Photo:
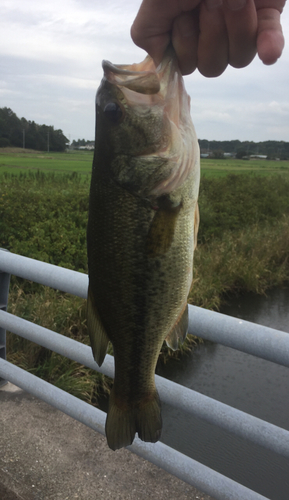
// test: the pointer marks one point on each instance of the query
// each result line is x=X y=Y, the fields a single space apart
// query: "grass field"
x=219 y=168
x=16 y=160
x=243 y=246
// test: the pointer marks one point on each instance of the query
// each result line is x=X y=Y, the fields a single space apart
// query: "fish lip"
x=121 y=69
x=144 y=82
x=148 y=64
x=145 y=78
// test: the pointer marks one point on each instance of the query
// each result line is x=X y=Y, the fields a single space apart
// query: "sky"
x=50 y=68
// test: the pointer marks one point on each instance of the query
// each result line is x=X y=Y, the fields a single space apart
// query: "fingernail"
x=213 y=4
x=236 y=4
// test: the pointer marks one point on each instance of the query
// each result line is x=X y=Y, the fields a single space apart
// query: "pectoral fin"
x=162 y=230
x=97 y=334
x=179 y=330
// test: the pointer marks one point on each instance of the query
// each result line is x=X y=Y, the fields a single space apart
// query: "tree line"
x=19 y=132
x=272 y=149
x=81 y=143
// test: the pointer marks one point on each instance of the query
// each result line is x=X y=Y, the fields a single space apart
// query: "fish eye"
x=113 y=112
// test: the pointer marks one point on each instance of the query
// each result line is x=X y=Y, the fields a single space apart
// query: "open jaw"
x=144 y=84
x=138 y=81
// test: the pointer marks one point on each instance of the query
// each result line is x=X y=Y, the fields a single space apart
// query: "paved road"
x=46 y=455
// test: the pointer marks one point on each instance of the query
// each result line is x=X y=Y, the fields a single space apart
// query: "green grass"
x=243 y=245
x=16 y=160
x=66 y=315
x=221 y=168
x=252 y=259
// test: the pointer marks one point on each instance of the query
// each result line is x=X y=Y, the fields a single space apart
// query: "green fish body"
x=143 y=221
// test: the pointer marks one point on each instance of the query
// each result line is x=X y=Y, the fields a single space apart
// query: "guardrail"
x=4 y=292
x=270 y=344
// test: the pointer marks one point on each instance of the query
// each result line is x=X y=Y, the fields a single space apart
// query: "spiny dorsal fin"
x=97 y=334
x=179 y=330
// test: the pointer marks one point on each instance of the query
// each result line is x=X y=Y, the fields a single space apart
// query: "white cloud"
x=51 y=52
x=258 y=121
x=68 y=82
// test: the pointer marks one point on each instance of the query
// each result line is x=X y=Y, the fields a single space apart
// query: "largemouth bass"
x=142 y=230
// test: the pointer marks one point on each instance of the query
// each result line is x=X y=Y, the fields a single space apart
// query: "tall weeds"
x=66 y=315
x=243 y=246
x=250 y=260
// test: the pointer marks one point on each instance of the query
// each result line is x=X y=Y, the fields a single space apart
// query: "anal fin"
x=97 y=334
x=179 y=330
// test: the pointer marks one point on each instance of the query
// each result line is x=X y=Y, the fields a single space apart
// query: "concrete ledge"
x=46 y=455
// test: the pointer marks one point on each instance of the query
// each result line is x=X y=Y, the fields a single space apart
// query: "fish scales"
x=141 y=240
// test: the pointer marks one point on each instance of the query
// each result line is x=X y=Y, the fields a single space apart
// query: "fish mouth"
x=140 y=78
x=146 y=84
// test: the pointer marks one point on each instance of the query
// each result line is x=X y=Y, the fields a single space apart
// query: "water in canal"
x=246 y=382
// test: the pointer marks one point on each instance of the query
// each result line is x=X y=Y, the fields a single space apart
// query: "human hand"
x=210 y=34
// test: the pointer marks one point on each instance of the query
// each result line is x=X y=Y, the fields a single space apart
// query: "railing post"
x=4 y=292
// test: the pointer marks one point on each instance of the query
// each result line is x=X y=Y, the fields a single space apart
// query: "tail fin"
x=124 y=421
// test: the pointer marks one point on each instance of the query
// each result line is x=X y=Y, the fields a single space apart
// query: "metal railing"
x=254 y=339
x=4 y=292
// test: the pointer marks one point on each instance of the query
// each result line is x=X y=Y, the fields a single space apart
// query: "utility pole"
x=48 y=141
x=24 y=138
